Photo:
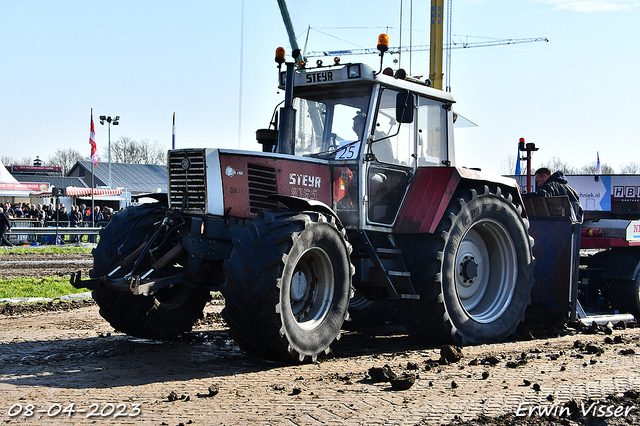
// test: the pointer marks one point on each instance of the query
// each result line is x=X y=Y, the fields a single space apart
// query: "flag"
x=598 y=168
x=173 y=132
x=92 y=142
x=518 y=172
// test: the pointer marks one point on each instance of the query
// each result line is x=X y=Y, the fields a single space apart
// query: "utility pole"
x=115 y=122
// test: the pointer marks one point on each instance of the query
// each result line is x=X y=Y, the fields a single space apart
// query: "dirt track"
x=54 y=359
x=41 y=265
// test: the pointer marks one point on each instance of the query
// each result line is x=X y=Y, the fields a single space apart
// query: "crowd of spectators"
x=80 y=215
x=38 y=215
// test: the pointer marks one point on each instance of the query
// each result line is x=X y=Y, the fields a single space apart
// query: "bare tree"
x=590 y=169
x=127 y=150
x=10 y=161
x=631 y=168
x=7 y=161
x=121 y=150
x=65 y=159
x=154 y=152
x=556 y=164
x=508 y=166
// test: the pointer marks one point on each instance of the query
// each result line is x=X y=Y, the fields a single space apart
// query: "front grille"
x=262 y=183
x=188 y=180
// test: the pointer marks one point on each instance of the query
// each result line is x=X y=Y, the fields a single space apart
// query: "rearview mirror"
x=404 y=107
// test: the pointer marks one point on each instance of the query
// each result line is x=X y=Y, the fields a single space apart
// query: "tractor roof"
x=359 y=72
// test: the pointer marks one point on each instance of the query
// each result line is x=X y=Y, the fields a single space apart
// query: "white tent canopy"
x=9 y=186
x=5 y=176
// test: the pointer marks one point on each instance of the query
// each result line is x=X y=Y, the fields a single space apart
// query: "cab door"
x=391 y=156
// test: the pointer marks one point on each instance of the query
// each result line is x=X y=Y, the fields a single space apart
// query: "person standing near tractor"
x=4 y=225
x=550 y=184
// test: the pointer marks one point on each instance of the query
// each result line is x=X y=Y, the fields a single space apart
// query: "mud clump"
x=451 y=353
x=404 y=382
x=381 y=374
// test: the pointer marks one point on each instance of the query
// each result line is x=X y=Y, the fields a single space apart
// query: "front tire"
x=288 y=285
x=474 y=274
x=162 y=316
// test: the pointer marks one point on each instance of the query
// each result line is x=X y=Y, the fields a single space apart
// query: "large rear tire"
x=164 y=315
x=288 y=285
x=624 y=296
x=474 y=274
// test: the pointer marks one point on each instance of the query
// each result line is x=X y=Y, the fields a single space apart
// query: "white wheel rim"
x=312 y=288
x=486 y=270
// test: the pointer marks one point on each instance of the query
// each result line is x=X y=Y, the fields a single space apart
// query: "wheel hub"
x=468 y=268
x=299 y=286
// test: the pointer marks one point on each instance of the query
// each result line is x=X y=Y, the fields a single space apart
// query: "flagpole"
x=93 y=185
x=94 y=157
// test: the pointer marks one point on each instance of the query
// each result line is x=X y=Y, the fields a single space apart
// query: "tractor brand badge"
x=302 y=185
x=185 y=163
x=230 y=171
x=304 y=180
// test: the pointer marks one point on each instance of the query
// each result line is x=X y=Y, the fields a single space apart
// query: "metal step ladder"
x=397 y=280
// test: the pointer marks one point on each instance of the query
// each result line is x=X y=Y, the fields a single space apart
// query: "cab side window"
x=432 y=133
x=392 y=141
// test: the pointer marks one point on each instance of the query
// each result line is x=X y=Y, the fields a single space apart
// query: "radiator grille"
x=187 y=180
x=262 y=183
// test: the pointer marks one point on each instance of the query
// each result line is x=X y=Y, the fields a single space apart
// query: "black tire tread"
x=140 y=316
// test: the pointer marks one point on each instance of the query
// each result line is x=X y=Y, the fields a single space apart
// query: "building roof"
x=57 y=181
x=135 y=178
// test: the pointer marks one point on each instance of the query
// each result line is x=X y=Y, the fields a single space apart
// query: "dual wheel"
x=288 y=285
x=165 y=315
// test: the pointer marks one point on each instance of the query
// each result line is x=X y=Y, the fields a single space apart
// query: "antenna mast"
x=447 y=74
x=400 y=52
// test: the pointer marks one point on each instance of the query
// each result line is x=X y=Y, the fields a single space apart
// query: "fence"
x=31 y=231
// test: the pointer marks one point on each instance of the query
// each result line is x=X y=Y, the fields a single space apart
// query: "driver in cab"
x=382 y=149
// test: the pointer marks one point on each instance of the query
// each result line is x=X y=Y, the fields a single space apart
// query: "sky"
x=212 y=64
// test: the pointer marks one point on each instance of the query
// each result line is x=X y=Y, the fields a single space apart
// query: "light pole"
x=109 y=120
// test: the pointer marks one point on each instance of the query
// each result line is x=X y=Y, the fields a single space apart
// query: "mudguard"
x=432 y=190
x=300 y=204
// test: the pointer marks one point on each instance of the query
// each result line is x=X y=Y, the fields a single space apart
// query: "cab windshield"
x=327 y=115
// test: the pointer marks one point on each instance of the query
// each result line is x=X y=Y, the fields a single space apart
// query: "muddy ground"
x=63 y=364
x=41 y=265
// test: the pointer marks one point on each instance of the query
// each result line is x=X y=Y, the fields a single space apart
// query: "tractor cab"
x=375 y=129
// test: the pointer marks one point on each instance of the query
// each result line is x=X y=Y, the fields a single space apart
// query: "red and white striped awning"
x=73 y=191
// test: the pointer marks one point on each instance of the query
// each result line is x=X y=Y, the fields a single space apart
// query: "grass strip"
x=37 y=287
x=46 y=249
